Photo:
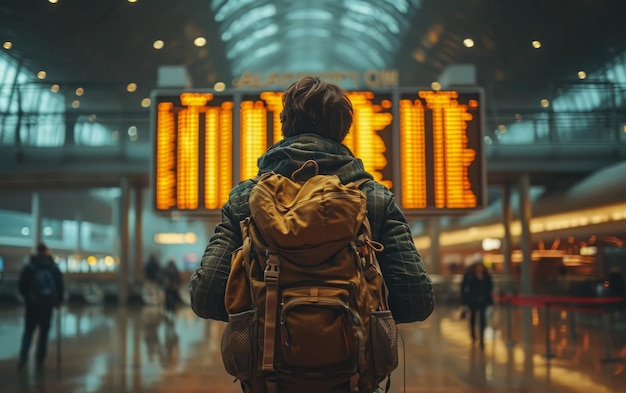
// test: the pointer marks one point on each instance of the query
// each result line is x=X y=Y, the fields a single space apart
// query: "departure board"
x=424 y=145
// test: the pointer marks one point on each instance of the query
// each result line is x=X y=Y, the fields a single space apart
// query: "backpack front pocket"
x=237 y=344
x=318 y=328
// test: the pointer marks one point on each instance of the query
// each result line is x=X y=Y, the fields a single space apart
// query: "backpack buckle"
x=272 y=269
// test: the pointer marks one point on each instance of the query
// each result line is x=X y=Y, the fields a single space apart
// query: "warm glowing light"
x=582 y=74
x=80 y=91
x=145 y=103
x=42 y=74
x=53 y=1
x=439 y=139
x=442 y=175
x=55 y=88
x=468 y=42
x=536 y=44
x=7 y=45
x=175 y=238
x=158 y=44
x=364 y=137
x=219 y=86
x=435 y=86
x=200 y=41
x=548 y=223
x=545 y=103
x=75 y=104
x=253 y=136
x=131 y=87
x=412 y=139
x=91 y=260
x=179 y=139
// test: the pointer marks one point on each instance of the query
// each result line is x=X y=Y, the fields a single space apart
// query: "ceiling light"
x=145 y=102
x=132 y=1
x=158 y=44
x=219 y=86
x=92 y=118
x=468 y=42
x=80 y=91
x=7 y=45
x=582 y=74
x=435 y=86
x=42 y=74
x=55 y=88
x=75 y=104
x=536 y=44
x=53 y=1
x=419 y=55
x=200 y=41
x=545 y=103
x=131 y=87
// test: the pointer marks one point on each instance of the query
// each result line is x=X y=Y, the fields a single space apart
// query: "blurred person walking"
x=171 y=286
x=41 y=285
x=476 y=294
x=152 y=272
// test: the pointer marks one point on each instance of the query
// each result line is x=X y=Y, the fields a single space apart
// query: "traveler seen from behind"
x=315 y=119
x=41 y=285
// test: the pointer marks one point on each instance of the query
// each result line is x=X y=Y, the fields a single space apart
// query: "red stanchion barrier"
x=595 y=305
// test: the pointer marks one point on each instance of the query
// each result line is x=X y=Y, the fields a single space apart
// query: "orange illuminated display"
x=412 y=142
x=193 y=152
x=364 y=138
x=441 y=143
x=433 y=139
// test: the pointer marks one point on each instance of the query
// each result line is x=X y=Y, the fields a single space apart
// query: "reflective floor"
x=139 y=349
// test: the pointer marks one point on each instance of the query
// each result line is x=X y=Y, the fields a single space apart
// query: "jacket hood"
x=289 y=154
x=42 y=261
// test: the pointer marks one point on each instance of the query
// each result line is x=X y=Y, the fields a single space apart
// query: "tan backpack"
x=306 y=300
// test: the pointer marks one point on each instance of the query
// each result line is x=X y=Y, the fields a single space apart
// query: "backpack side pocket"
x=237 y=344
x=384 y=341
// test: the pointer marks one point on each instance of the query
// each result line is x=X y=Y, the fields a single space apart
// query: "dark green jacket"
x=410 y=289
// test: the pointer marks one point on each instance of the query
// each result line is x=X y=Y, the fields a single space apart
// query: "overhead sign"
x=424 y=145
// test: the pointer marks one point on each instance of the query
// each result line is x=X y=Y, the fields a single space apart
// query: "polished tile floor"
x=139 y=349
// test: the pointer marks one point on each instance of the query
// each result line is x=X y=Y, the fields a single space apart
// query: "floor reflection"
x=141 y=349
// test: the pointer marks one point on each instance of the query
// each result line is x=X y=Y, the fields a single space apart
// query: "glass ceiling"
x=586 y=111
x=342 y=35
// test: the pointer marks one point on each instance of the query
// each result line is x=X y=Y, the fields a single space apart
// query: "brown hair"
x=312 y=106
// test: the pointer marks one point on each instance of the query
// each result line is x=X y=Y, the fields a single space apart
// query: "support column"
x=435 y=256
x=139 y=233
x=123 y=233
x=526 y=285
x=507 y=241
x=525 y=214
x=35 y=213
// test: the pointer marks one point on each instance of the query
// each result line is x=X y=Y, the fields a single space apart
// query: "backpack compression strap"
x=270 y=276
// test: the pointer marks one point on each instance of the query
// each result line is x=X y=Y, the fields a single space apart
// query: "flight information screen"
x=424 y=145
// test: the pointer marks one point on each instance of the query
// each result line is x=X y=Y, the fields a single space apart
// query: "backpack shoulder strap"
x=358 y=183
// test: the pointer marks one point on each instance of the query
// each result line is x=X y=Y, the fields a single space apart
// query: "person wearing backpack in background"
x=41 y=285
x=315 y=119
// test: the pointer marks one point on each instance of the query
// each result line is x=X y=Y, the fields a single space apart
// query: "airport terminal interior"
x=500 y=126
